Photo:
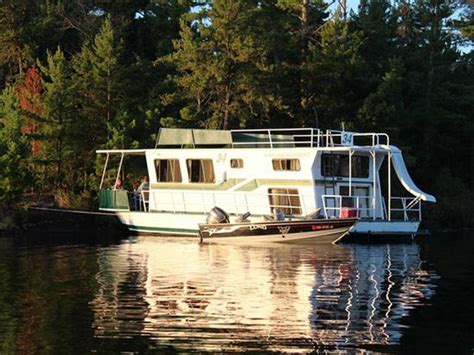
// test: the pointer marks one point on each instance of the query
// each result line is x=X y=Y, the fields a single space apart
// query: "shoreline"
x=35 y=219
x=38 y=220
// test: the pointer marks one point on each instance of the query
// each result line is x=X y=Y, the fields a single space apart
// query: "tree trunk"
x=225 y=124
x=304 y=57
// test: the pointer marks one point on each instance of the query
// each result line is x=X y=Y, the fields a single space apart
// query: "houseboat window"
x=167 y=170
x=286 y=164
x=200 y=170
x=236 y=163
x=286 y=200
x=338 y=165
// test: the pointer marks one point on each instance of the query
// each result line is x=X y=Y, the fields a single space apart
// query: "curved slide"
x=402 y=173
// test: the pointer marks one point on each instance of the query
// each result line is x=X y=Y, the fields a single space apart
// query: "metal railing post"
x=389 y=186
x=236 y=208
x=404 y=204
x=374 y=198
x=350 y=171
x=120 y=167
x=323 y=197
x=203 y=202
x=104 y=171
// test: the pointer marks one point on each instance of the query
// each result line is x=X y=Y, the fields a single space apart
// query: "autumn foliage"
x=29 y=96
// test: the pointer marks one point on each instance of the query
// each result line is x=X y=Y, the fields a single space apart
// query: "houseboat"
x=259 y=172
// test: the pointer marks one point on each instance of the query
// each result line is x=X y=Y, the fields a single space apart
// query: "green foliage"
x=98 y=92
x=333 y=63
x=114 y=72
x=455 y=201
x=59 y=147
x=13 y=149
x=222 y=68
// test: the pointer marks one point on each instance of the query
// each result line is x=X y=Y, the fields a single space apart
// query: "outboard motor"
x=217 y=215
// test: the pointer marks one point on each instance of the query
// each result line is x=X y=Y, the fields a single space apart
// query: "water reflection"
x=184 y=295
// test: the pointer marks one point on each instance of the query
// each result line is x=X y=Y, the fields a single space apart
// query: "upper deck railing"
x=305 y=137
x=268 y=138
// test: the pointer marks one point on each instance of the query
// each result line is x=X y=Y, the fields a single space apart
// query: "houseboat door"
x=359 y=199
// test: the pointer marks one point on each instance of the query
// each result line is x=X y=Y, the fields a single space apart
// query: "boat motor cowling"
x=217 y=215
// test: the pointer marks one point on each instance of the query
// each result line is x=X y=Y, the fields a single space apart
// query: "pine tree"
x=302 y=24
x=333 y=63
x=99 y=93
x=222 y=68
x=60 y=143
x=14 y=147
x=383 y=109
x=16 y=17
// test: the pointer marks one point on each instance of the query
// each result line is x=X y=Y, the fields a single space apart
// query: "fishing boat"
x=218 y=229
x=297 y=171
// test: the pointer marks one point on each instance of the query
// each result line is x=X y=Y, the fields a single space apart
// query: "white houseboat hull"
x=162 y=223
x=183 y=224
x=386 y=227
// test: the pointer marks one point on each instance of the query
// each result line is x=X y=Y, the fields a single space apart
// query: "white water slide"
x=404 y=177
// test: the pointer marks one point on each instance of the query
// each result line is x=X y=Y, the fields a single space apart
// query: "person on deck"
x=141 y=193
x=118 y=184
x=145 y=185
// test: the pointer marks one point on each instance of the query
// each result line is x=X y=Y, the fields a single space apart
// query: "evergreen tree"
x=98 y=81
x=379 y=65
x=60 y=146
x=222 y=69
x=402 y=67
x=16 y=18
x=383 y=109
x=333 y=65
x=13 y=148
x=298 y=32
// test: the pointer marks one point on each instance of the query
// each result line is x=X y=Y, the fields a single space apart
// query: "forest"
x=82 y=75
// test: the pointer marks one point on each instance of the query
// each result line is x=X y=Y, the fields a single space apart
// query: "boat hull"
x=381 y=227
x=320 y=231
x=186 y=224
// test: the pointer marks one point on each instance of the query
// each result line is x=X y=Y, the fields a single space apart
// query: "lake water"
x=77 y=294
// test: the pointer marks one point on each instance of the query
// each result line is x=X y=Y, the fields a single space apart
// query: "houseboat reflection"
x=275 y=297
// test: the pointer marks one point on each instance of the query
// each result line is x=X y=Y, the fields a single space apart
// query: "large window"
x=286 y=164
x=167 y=170
x=338 y=165
x=200 y=170
x=286 y=200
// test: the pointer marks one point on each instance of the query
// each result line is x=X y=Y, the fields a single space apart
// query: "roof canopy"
x=177 y=136
x=122 y=151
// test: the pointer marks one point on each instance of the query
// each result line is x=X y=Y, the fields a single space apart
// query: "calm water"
x=80 y=294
